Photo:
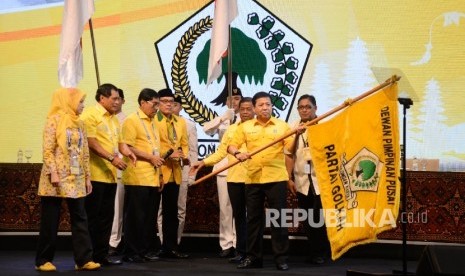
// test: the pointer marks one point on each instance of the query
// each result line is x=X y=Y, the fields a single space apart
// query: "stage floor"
x=22 y=263
x=17 y=258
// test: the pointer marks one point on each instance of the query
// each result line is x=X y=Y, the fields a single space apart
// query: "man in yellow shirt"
x=173 y=136
x=142 y=180
x=235 y=178
x=266 y=178
x=103 y=136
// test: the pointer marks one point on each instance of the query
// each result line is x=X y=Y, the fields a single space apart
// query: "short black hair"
x=147 y=94
x=121 y=93
x=245 y=100
x=311 y=98
x=104 y=90
x=259 y=95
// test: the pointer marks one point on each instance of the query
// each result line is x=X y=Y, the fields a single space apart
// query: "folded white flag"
x=76 y=14
x=225 y=12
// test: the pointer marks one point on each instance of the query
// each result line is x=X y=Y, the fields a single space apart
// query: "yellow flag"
x=356 y=156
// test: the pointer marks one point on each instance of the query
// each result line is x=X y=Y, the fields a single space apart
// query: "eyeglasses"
x=305 y=107
x=167 y=101
x=154 y=104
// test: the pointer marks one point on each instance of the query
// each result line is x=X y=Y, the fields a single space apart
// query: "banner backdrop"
x=332 y=49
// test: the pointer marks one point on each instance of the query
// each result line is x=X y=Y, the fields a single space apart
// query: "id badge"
x=74 y=166
x=306 y=154
x=307 y=169
x=75 y=170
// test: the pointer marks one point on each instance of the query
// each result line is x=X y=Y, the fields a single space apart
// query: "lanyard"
x=309 y=164
x=172 y=135
x=147 y=132
x=68 y=139
x=304 y=141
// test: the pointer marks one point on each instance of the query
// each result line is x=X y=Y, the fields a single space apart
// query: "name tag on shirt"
x=74 y=164
x=75 y=170
x=307 y=169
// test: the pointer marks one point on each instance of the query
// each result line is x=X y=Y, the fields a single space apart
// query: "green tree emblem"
x=366 y=170
x=248 y=63
x=366 y=176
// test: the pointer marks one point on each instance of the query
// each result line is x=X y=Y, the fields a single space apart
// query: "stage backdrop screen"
x=332 y=49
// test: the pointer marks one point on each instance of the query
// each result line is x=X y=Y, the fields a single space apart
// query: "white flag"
x=224 y=14
x=76 y=14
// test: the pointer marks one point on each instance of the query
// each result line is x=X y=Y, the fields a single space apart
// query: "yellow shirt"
x=237 y=173
x=171 y=169
x=134 y=132
x=55 y=160
x=103 y=126
x=268 y=165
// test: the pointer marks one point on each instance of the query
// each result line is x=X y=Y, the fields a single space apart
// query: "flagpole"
x=229 y=67
x=94 y=51
x=346 y=103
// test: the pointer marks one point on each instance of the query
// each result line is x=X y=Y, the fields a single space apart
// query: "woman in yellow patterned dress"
x=65 y=175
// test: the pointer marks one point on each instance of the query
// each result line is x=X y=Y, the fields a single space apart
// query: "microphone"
x=167 y=154
x=180 y=159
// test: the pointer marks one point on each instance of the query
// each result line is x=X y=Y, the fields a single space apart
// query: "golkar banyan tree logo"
x=267 y=55
x=361 y=173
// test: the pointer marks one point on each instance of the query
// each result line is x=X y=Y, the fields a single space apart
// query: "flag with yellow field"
x=357 y=157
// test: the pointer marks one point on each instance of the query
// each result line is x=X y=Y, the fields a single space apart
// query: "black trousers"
x=100 y=207
x=140 y=220
x=170 y=223
x=317 y=236
x=236 y=193
x=275 y=194
x=49 y=220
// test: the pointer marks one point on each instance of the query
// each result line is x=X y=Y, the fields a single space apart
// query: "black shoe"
x=237 y=259
x=317 y=260
x=227 y=253
x=113 y=251
x=173 y=254
x=249 y=263
x=109 y=261
x=151 y=256
x=134 y=259
x=282 y=266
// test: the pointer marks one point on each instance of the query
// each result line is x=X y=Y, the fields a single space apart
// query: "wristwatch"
x=110 y=157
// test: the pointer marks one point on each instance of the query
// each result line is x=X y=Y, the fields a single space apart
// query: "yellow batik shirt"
x=55 y=160
x=171 y=169
x=103 y=126
x=139 y=131
x=268 y=165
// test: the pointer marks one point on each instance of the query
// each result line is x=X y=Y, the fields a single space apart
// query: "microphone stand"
x=406 y=103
